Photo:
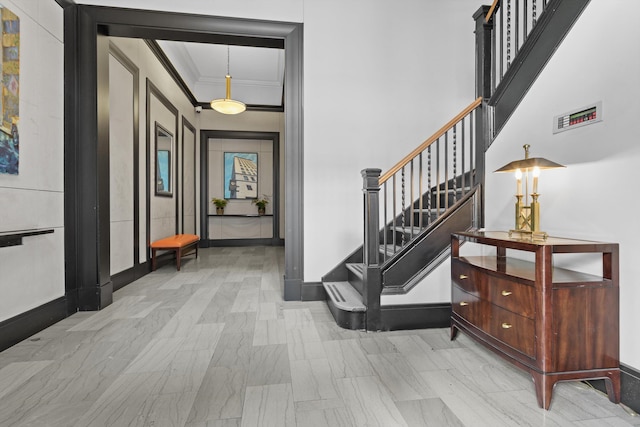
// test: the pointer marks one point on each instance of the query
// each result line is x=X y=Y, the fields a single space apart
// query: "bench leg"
x=153 y=260
x=178 y=257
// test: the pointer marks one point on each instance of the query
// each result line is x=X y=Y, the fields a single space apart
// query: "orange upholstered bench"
x=181 y=244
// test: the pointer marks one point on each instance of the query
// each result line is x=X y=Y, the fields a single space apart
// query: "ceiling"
x=257 y=73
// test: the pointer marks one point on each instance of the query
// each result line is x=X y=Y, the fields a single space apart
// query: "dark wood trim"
x=186 y=124
x=220 y=243
x=168 y=66
x=123 y=278
x=130 y=66
x=26 y=324
x=86 y=162
x=205 y=135
x=313 y=291
x=420 y=316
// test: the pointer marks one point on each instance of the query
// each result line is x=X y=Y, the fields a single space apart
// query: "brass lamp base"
x=528 y=219
x=531 y=235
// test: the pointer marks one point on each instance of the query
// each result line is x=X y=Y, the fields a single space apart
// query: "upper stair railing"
x=513 y=21
x=428 y=181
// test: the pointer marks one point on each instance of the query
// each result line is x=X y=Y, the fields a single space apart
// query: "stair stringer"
x=427 y=252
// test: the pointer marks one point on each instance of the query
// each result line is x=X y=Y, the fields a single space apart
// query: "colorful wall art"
x=240 y=175
x=10 y=97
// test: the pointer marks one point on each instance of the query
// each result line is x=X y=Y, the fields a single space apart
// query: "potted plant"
x=261 y=203
x=220 y=204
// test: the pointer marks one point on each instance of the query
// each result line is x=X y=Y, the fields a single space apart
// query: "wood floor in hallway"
x=216 y=345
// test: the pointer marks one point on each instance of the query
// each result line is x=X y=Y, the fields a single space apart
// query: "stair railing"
x=420 y=187
x=512 y=22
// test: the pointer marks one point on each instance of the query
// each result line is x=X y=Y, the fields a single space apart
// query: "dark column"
x=371 y=252
x=87 y=172
x=484 y=87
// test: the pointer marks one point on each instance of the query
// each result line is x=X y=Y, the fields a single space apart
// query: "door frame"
x=87 y=276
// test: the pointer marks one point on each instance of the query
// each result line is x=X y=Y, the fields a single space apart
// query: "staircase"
x=415 y=237
x=437 y=188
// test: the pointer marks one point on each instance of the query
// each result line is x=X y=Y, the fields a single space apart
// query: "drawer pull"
x=506 y=325
x=463 y=276
x=464 y=304
x=506 y=293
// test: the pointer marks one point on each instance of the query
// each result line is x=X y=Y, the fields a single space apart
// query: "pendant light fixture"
x=228 y=105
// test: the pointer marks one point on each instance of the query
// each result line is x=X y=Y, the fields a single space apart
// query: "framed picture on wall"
x=164 y=148
x=240 y=175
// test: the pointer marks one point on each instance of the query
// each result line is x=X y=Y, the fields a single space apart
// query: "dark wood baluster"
x=429 y=185
x=402 y=213
x=455 y=158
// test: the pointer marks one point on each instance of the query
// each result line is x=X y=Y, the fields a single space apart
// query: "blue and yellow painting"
x=10 y=97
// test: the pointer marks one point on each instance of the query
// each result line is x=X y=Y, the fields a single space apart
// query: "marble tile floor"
x=216 y=345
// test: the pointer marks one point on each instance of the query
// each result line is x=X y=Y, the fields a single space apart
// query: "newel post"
x=484 y=88
x=371 y=252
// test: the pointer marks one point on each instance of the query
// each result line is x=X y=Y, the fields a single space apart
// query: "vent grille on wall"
x=578 y=118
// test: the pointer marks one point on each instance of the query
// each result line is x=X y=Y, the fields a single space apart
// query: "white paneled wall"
x=162 y=212
x=189 y=184
x=33 y=274
x=121 y=166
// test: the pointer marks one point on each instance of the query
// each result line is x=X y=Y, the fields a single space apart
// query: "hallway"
x=215 y=345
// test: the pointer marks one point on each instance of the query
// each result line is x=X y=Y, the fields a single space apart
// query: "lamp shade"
x=529 y=163
x=228 y=105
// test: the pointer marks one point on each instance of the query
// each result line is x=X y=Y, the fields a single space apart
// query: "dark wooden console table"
x=555 y=323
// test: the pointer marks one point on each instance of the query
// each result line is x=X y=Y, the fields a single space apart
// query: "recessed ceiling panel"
x=257 y=73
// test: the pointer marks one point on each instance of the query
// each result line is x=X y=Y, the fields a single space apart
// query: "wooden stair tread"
x=344 y=296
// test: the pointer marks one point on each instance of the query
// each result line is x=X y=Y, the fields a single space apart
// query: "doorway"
x=88 y=279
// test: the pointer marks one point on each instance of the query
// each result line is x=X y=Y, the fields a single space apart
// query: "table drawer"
x=513 y=330
x=467 y=277
x=468 y=306
x=513 y=296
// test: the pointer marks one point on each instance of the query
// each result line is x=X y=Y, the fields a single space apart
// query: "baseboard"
x=123 y=278
x=292 y=289
x=313 y=291
x=424 y=316
x=629 y=387
x=29 y=323
x=211 y=243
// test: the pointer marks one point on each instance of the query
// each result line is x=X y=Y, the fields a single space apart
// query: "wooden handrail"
x=492 y=9
x=429 y=141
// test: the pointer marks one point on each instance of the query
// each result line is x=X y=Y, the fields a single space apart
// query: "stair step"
x=356 y=268
x=344 y=296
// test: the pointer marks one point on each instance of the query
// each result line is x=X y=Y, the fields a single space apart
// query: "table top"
x=519 y=241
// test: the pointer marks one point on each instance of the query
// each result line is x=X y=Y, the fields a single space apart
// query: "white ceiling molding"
x=257 y=73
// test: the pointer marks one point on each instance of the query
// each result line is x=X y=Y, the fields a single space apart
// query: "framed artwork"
x=9 y=98
x=240 y=175
x=164 y=176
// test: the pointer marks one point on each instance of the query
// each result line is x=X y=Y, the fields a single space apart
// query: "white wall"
x=418 y=54
x=594 y=197
x=378 y=80
x=33 y=274
x=121 y=167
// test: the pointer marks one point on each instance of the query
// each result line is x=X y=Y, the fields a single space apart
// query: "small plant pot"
x=261 y=211
x=219 y=211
